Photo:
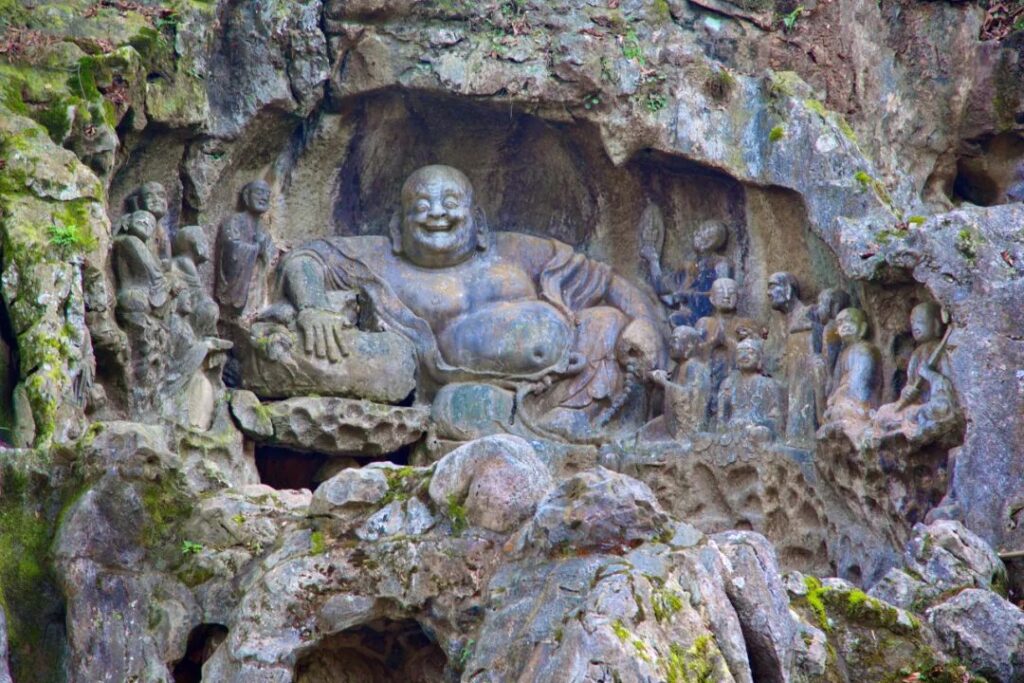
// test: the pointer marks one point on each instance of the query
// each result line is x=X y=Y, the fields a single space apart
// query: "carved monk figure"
x=796 y=346
x=142 y=295
x=718 y=332
x=244 y=249
x=826 y=342
x=190 y=252
x=141 y=286
x=688 y=393
x=750 y=400
x=152 y=197
x=927 y=403
x=689 y=289
x=858 y=375
x=506 y=310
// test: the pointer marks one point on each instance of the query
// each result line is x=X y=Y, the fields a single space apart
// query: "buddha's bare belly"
x=518 y=338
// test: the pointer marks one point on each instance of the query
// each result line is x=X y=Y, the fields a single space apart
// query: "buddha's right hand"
x=322 y=333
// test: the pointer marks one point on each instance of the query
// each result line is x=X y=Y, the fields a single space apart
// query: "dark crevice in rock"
x=991 y=171
x=283 y=468
x=383 y=651
x=9 y=374
x=202 y=641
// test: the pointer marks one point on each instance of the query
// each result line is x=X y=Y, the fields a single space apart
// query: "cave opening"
x=286 y=468
x=202 y=641
x=991 y=171
x=383 y=651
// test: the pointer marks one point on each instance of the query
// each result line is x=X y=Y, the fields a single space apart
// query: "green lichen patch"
x=967 y=242
x=702 y=662
x=665 y=603
x=868 y=182
x=776 y=133
x=167 y=504
x=867 y=635
x=457 y=514
x=403 y=483
x=33 y=496
x=317 y=543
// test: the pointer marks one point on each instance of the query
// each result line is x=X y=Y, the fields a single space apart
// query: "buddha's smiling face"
x=437 y=217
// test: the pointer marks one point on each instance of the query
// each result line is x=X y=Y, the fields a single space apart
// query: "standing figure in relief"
x=688 y=393
x=191 y=250
x=797 y=356
x=244 y=249
x=858 y=375
x=688 y=290
x=750 y=400
x=152 y=197
x=718 y=347
x=927 y=404
x=142 y=296
x=826 y=342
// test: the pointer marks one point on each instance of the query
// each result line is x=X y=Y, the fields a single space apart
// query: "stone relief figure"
x=152 y=197
x=508 y=318
x=688 y=290
x=750 y=400
x=797 y=355
x=244 y=249
x=190 y=251
x=927 y=406
x=718 y=333
x=826 y=342
x=688 y=393
x=857 y=381
x=142 y=297
x=141 y=285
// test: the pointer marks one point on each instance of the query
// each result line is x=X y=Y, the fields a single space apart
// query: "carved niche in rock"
x=687 y=291
x=927 y=408
x=558 y=339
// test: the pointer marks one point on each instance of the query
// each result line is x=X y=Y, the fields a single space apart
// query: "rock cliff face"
x=193 y=488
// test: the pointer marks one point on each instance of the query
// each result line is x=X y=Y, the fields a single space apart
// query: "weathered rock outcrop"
x=861 y=145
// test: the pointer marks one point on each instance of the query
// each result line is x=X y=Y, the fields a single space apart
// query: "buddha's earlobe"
x=483 y=231
x=395 y=232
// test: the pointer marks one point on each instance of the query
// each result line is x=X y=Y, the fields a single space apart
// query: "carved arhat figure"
x=749 y=399
x=927 y=406
x=688 y=393
x=152 y=197
x=797 y=354
x=244 y=248
x=858 y=374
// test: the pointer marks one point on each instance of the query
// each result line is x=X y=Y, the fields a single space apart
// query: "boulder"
x=984 y=631
x=596 y=510
x=498 y=481
x=941 y=557
x=756 y=591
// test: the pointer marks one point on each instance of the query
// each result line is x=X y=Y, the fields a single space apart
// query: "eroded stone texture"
x=666 y=105
x=940 y=558
x=984 y=630
x=336 y=426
